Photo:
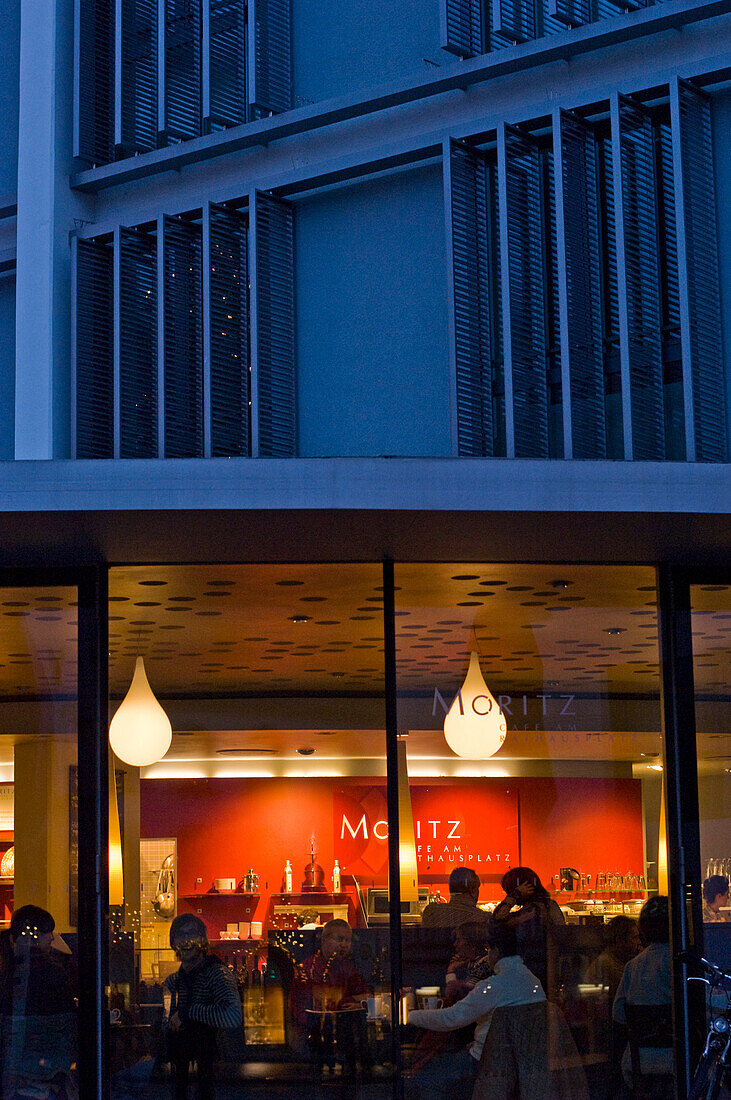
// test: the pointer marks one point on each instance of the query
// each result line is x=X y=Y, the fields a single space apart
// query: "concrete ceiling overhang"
x=362 y=509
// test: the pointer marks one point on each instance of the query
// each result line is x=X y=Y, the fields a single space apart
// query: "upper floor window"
x=151 y=73
x=471 y=27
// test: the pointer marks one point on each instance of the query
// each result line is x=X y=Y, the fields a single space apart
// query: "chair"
x=650 y=1040
x=529 y=1053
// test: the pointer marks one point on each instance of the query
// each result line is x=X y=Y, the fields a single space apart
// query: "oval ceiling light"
x=140 y=732
x=474 y=726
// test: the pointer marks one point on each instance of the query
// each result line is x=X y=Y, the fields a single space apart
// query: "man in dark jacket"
x=462 y=908
x=204 y=998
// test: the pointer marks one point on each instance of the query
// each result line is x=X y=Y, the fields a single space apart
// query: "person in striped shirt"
x=204 y=999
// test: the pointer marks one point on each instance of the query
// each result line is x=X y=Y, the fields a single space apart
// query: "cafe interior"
x=252 y=783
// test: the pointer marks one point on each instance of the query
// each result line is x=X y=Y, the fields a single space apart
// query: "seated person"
x=462 y=908
x=511 y=983
x=647 y=980
x=715 y=896
x=621 y=943
x=468 y=964
x=326 y=995
x=328 y=980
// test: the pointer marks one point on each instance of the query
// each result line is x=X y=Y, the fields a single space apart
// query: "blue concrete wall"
x=721 y=116
x=7 y=367
x=340 y=47
x=9 y=63
x=372 y=360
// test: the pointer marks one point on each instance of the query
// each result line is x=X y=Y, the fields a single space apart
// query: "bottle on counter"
x=337 y=883
x=288 y=878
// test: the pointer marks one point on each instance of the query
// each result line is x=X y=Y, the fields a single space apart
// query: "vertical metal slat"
x=274 y=229
x=579 y=286
x=700 y=307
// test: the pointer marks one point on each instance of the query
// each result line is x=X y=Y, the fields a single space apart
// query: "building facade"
x=370 y=335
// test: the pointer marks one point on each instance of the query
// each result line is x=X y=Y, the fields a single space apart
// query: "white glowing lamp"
x=474 y=726
x=140 y=732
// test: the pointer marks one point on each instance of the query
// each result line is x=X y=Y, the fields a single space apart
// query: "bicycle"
x=713 y=1071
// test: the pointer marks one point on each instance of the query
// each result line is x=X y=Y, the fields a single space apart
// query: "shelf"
x=218 y=894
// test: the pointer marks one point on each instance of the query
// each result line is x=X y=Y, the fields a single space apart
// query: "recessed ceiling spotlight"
x=299 y=618
x=615 y=630
x=650 y=755
x=305 y=752
x=326 y=733
x=246 y=752
x=560 y=583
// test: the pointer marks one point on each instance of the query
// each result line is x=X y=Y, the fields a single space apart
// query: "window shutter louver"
x=229 y=334
x=698 y=254
x=573 y=13
x=578 y=254
x=137 y=345
x=524 y=327
x=275 y=366
x=473 y=320
x=94 y=81
x=182 y=76
x=462 y=27
x=226 y=44
x=94 y=351
x=137 y=132
x=515 y=19
x=183 y=341
x=638 y=267
x=270 y=41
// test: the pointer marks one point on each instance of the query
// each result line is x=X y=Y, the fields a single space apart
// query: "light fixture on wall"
x=116 y=874
x=474 y=726
x=140 y=732
x=408 y=871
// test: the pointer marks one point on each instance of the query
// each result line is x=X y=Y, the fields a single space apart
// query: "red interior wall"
x=225 y=826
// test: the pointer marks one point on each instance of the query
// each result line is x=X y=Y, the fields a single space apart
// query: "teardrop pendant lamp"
x=140 y=732
x=474 y=726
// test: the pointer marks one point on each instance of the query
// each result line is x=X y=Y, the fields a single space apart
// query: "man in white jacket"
x=511 y=983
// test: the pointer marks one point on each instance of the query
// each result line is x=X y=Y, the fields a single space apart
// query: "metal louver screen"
x=229 y=334
x=139 y=76
x=94 y=366
x=642 y=291
x=462 y=27
x=579 y=251
x=271 y=78
x=515 y=19
x=94 y=108
x=525 y=316
x=275 y=326
x=473 y=323
x=572 y=13
x=227 y=63
x=137 y=345
x=182 y=69
x=702 y=271
x=183 y=339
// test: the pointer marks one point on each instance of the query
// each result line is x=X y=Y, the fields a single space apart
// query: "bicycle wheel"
x=707 y=1077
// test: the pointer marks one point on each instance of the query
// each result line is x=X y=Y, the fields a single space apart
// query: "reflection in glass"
x=38 y=841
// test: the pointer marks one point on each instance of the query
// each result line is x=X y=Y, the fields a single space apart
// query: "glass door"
x=39 y=836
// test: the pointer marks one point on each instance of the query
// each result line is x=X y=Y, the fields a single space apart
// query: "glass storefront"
x=529 y=714
x=360 y=802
